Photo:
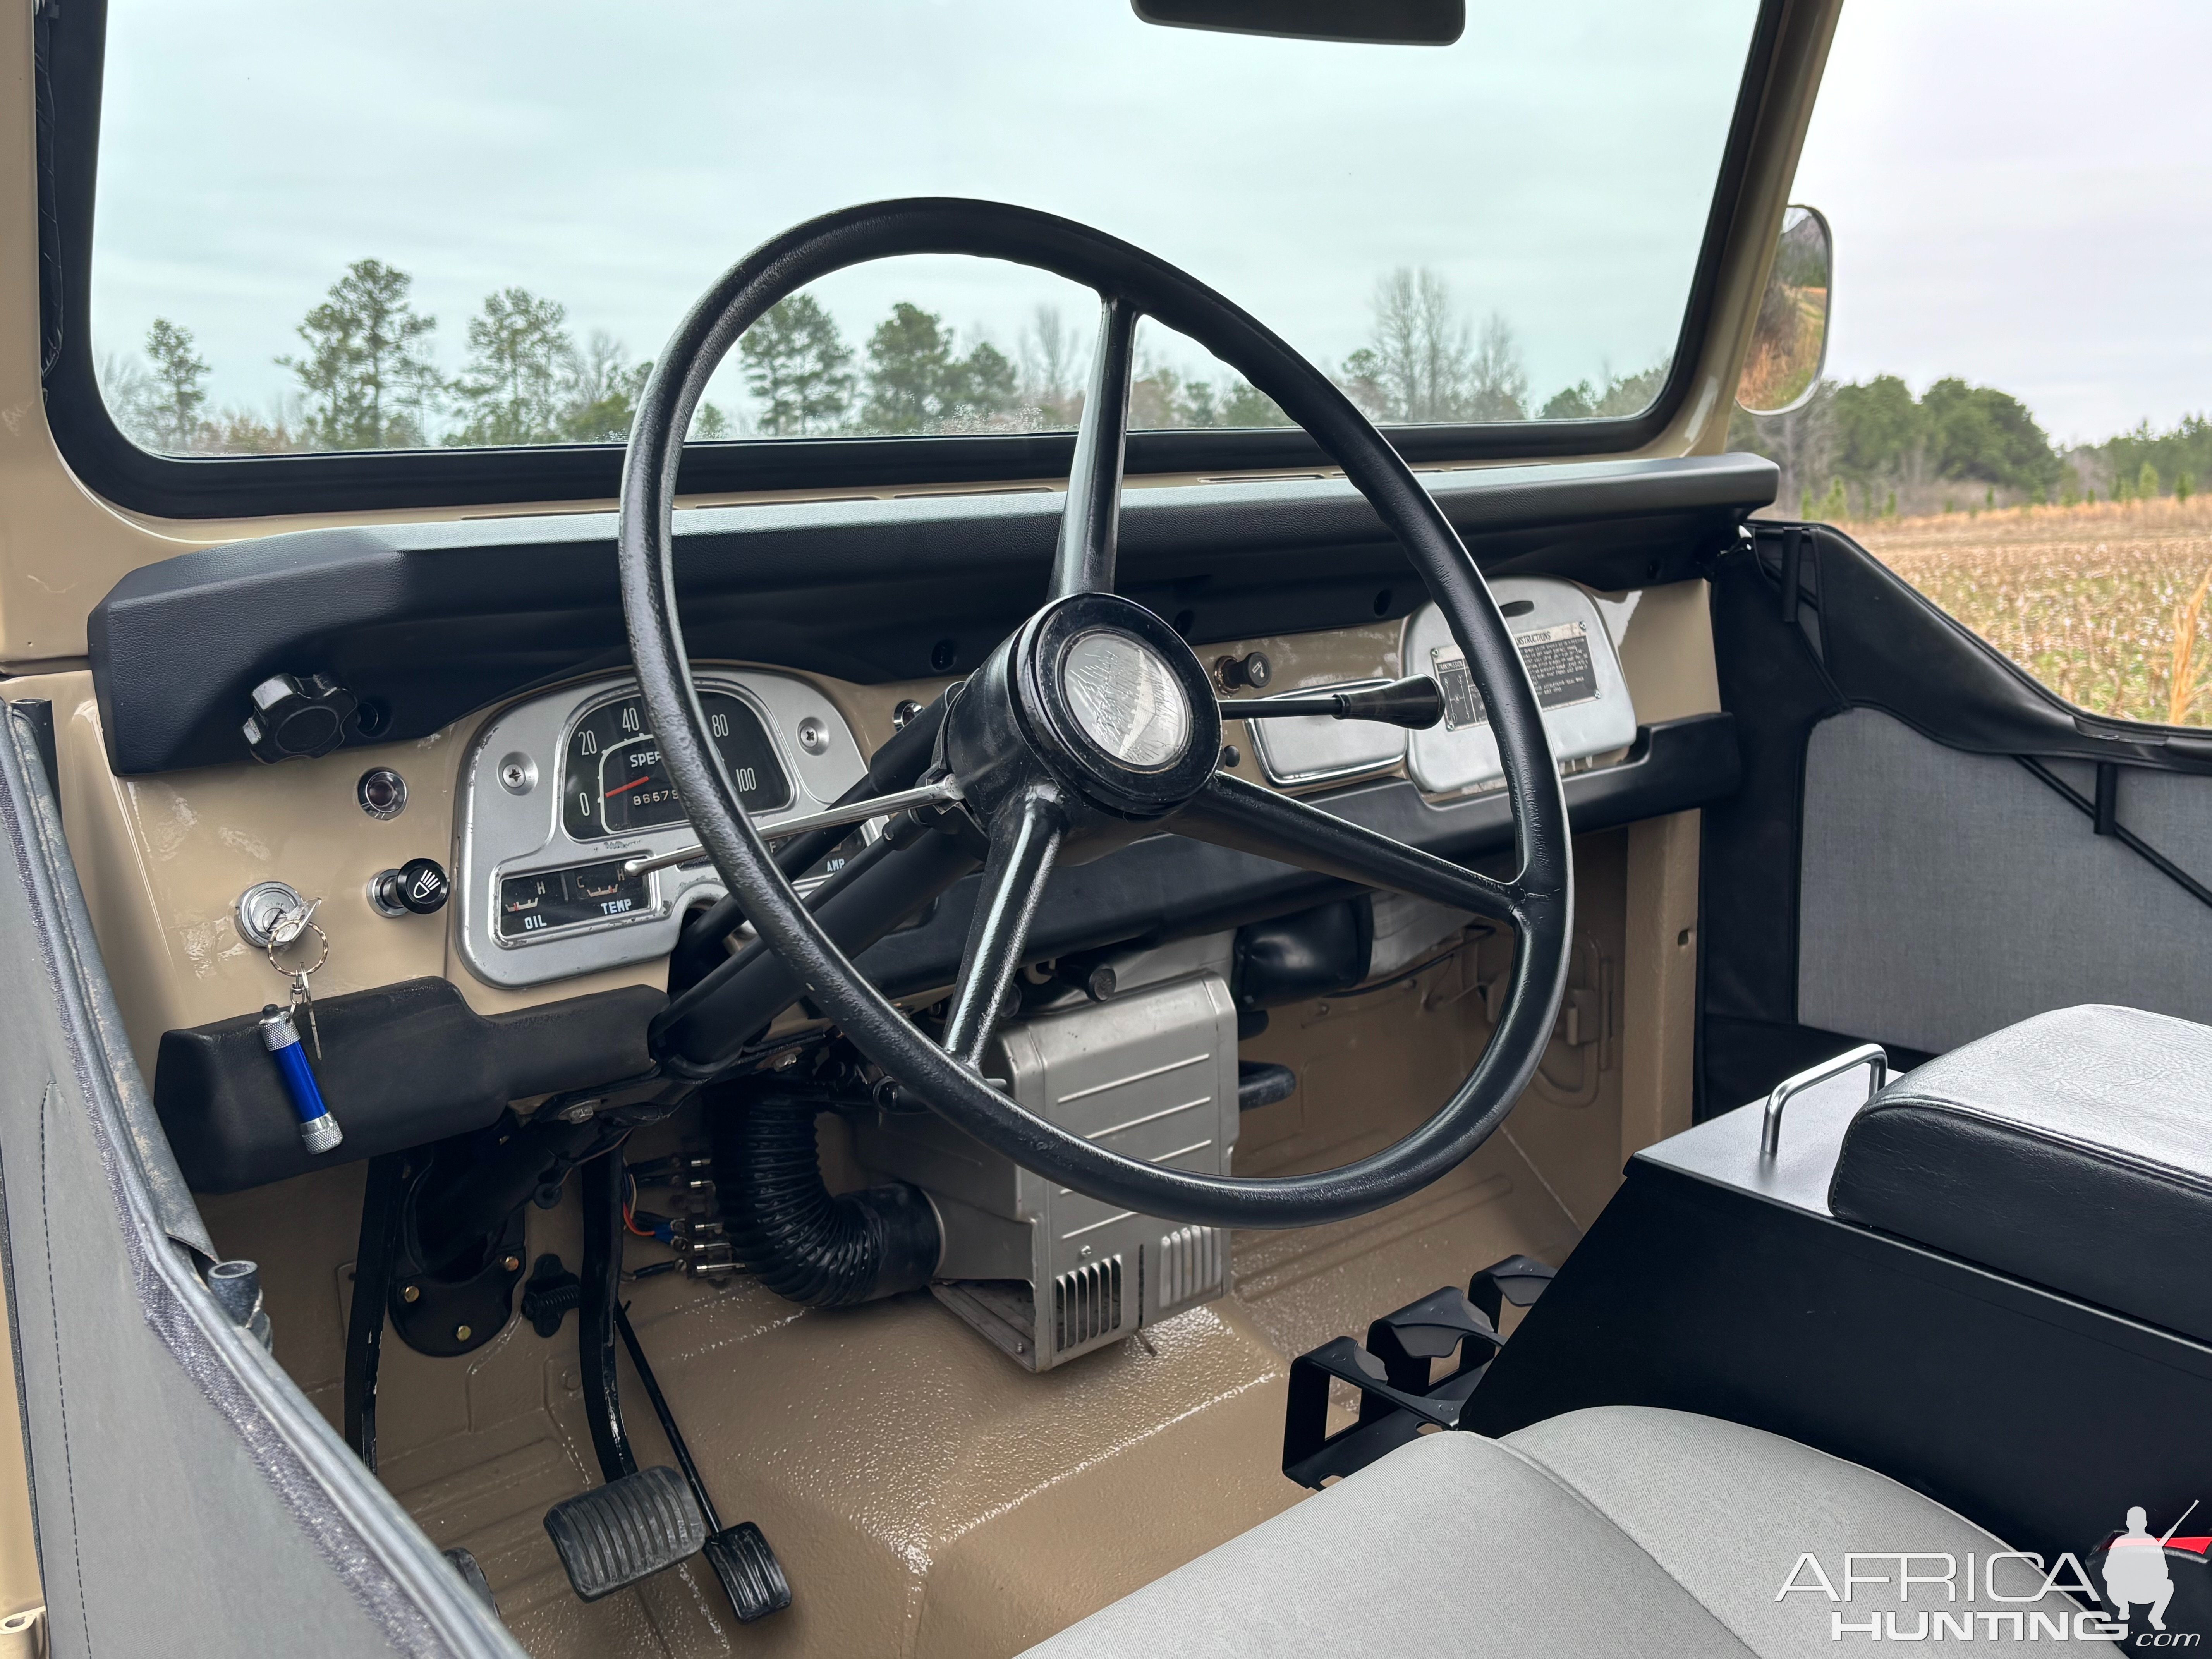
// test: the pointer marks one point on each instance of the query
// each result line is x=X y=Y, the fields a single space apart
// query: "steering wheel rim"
x=1028 y=813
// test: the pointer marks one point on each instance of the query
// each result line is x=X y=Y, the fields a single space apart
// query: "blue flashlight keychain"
x=280 y=1034
x=318 y=1130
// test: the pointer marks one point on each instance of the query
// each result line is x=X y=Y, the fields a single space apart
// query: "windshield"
x=401 y=225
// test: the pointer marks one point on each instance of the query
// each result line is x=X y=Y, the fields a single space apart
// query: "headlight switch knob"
x=417 y=888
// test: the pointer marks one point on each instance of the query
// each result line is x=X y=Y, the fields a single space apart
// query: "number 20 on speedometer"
x=616 y=783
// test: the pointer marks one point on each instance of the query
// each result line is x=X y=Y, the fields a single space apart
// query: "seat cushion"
x=1620 y=1530
x=2074 y=1150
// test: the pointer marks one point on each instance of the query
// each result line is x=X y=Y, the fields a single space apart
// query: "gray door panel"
x=1944 y=895
x=188 y=1499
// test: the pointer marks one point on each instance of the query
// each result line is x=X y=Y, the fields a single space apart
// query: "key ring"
x=298 y=976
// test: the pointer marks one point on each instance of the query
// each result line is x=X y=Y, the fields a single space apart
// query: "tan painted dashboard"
x=163 y=860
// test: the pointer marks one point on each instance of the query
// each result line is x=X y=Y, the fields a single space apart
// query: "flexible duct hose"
x=785 y=1225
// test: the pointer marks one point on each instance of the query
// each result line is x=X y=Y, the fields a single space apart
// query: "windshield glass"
x=410 y=224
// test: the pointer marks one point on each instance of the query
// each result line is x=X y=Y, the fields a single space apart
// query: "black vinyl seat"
x=2072 y=1150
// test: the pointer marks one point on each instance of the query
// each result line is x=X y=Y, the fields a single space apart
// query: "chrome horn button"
x=1125 y=699
x=1096 y=694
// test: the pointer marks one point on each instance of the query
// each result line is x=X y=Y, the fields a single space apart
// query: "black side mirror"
x=1371 y=22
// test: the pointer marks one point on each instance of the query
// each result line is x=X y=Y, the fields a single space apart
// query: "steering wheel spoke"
x=1084 y=562
x=1230 y=812
x=1025 y=840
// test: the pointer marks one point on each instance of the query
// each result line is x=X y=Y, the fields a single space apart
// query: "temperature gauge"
x=616 y=783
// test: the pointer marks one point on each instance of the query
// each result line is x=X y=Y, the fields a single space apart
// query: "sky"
x=2017 y=190
x=2018 y=196
x=1556 y=165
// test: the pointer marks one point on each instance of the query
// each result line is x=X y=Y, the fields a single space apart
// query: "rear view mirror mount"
x=1371 y=22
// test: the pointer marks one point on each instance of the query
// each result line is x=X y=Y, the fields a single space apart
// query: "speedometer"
x=614 y=781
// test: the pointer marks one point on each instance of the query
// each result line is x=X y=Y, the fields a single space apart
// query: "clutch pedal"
x=629 y=1529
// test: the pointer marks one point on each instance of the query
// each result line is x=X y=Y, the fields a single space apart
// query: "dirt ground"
x=2094 y=599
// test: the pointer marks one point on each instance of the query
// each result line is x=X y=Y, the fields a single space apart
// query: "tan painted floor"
x=926 y=1497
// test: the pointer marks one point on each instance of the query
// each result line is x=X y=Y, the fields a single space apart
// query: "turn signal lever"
x=1415 y=703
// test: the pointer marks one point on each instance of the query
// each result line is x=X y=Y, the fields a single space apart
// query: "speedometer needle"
x=632 y=784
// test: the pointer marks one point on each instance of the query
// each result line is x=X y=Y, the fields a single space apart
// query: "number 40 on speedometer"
x=615 y=782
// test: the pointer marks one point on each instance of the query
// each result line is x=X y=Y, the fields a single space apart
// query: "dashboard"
x=529 y=769
x=560 y=793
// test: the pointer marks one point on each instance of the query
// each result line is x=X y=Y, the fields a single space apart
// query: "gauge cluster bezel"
x=504 y=831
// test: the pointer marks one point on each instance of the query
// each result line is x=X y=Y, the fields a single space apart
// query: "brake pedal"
x=750 y=1574
x=614 y=1535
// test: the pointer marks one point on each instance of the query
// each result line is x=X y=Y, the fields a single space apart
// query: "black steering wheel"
x=1095 y=723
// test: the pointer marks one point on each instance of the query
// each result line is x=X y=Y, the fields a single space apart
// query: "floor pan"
x=921 y=1496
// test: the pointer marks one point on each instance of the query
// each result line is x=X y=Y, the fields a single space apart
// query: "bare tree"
x=1803 y=445
x=1052 y=358
x=1420 y=345
x=131 y=395
x=1498 y=381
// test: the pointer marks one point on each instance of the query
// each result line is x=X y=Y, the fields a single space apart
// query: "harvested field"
x=2103 y=603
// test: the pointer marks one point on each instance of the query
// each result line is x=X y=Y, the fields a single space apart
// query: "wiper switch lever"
x=1416 y=703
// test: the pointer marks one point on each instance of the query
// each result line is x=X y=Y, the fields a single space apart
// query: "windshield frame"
x=71 y=45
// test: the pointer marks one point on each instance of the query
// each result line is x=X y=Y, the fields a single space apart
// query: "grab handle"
x=1869 y=1054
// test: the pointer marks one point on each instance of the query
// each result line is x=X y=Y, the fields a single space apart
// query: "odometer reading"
x=615 y=782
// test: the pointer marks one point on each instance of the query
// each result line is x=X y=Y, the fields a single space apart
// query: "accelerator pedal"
x=750 y=1574
x=472 y=1574
x=614 y=1535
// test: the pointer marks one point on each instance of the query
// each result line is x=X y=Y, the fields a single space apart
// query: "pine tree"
x=1245 y=404
x=799 y=368
x=521 y=361
x=1576 y=403
x=909 y=366
x=983 y=388
x=1361 y=380
x=366 y=372
x=177 y=396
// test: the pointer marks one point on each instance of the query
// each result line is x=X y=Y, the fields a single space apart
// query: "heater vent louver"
x=1190 y=1266
x=1086 y=1303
